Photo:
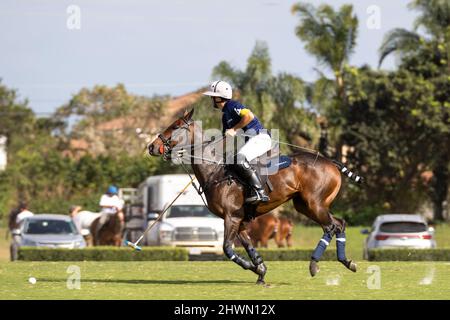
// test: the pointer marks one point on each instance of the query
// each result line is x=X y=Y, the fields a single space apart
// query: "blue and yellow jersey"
x=233 y=111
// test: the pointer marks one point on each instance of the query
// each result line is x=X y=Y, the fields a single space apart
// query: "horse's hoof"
x=349 y=264
x=313 y=268
x=260 y=282
x=352 y=266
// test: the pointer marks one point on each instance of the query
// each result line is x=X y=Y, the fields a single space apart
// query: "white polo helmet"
x=220 y=89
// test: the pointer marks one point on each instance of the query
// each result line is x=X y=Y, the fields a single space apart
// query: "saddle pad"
x=283 y=162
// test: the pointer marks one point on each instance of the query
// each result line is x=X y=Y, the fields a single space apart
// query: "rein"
x=167 y=154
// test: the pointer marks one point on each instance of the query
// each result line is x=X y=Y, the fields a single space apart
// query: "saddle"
x=265 y=166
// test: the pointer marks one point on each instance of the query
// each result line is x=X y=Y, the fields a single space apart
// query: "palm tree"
x=253 y=83
x=430 y=49
x=331 y=37
x=434 y=19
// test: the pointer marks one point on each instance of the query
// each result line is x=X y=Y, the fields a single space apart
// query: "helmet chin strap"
x=214 y=101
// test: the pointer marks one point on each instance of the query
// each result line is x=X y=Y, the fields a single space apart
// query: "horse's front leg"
x=231 y=230
x=260 y=268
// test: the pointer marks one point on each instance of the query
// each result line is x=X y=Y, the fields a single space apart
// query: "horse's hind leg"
x=259 y=267
x=330 y=225
x=340 y=246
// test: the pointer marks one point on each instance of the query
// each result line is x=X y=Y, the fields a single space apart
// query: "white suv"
x=191 y=226
x=397 y=231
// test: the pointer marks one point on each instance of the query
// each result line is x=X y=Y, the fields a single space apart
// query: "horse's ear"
x=188 y=115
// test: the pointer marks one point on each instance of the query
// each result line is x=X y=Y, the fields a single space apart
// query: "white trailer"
x=188 y=223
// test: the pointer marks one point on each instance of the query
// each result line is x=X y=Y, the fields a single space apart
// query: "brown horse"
x=267 y=227
x=285 y=227
x=262 y=229
x=311 y=181
x=110 y=233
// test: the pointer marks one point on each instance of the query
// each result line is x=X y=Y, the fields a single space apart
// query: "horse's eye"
x=176 y=127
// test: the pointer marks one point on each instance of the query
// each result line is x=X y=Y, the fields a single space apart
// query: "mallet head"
x=133 y=245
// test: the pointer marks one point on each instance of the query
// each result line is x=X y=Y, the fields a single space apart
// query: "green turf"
x=222 y=280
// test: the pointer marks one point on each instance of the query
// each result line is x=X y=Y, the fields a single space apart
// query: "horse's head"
x=166 y=140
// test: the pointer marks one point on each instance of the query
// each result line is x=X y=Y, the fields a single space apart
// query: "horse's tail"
x=344 y=170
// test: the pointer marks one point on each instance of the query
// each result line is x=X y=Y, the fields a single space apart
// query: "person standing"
x=19 y=214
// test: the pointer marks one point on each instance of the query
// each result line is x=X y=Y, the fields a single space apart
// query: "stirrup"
x=257 y=197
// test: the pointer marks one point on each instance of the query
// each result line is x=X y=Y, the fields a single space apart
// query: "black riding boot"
x=251 y=176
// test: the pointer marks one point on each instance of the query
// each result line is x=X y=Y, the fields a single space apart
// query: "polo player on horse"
x=237 y=116
x=310 y=180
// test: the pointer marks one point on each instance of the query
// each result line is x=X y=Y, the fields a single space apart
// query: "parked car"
x=46 y=230
x=399 y=231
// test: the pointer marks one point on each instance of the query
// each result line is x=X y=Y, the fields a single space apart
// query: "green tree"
x=17 y=121
x=252 y=84
x=330 y=36
x=389 y=147
x=39 y=170
x=434 y=19
x=106 y=118
x=427 y=55
x=16 y=118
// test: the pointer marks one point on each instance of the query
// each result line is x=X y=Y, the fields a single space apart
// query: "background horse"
x=284 y=234
x=110 y=233
x=83 y=220
x=267 y=227
x=311 y=182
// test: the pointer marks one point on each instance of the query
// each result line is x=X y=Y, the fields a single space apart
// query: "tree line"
x=390 y=126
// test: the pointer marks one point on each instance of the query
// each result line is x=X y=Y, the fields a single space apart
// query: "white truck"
x=187 y=223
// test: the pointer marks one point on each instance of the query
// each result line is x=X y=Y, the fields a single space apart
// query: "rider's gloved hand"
x=230 y=132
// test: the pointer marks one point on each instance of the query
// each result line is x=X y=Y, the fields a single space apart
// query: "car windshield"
x=48 y=226
x=403 y=227
x=190 y=211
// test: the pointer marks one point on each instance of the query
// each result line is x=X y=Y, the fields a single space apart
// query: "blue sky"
x=160 y=46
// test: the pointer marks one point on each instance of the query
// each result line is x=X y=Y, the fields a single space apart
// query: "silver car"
x=399 y=230
x=46 y=230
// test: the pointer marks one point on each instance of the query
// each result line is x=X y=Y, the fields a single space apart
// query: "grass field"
x=225 y=280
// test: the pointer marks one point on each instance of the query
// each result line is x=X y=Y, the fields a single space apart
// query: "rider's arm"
x=246 y=117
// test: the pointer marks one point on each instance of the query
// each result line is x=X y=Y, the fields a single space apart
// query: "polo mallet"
x=135 y=244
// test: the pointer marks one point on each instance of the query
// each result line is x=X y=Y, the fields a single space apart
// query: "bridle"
x=168 y=150
x=167 y=140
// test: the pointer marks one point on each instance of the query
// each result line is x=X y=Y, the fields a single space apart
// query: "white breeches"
x=256 y=146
